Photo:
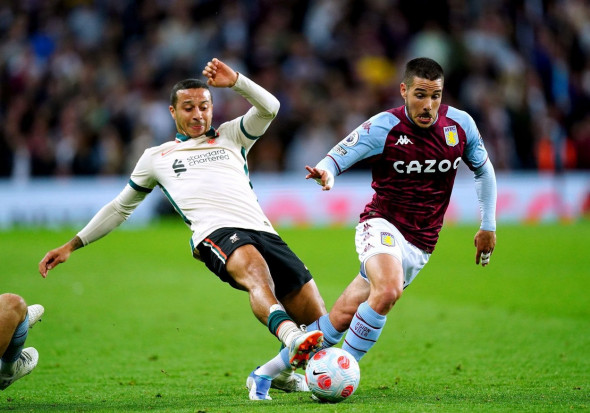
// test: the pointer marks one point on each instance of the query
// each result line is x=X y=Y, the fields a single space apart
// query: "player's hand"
x=58 y=255
x=485 y=242
x=324 y=178
x=51 y=260
x=219 y=74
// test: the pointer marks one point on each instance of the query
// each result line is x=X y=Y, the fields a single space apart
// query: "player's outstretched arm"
x=324 y=178
x=485 y=242
x=58 y=255
x=219 y=74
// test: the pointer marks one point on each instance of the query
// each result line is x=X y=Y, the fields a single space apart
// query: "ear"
x=403 y=90
x=172 y=112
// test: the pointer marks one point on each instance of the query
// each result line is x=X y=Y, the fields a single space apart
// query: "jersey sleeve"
x=142 y=178
x=264 y=108
x=111 y=215
x=119 y=209
x=365 y=141
x=485 y=186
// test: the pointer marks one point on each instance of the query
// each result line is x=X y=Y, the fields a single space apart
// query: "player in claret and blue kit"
x=414 y=150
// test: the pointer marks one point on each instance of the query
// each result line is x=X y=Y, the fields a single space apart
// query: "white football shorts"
x=378 y=236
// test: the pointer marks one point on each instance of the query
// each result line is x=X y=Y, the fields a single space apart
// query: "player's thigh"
x=305 y=305
x=381 y=239
x=247 y=267
x=385 y=271
x=289 y=273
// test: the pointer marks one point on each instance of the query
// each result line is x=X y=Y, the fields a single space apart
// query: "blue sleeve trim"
x=139 y=188
x=246 y=133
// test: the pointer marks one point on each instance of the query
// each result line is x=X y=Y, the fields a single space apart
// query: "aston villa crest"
x=451 y=136
x=387 y=239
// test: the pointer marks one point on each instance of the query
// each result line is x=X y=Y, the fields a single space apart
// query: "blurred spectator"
x=84 y=84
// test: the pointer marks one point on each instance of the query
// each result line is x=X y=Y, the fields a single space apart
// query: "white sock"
x=287 y=332
x=273 y=367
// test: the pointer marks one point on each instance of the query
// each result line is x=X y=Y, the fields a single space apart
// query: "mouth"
x=424 y=118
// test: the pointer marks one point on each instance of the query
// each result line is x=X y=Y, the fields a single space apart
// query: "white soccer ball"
x=332 y=375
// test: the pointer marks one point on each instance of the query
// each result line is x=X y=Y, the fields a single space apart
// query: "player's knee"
x=386 y=296
x=14 y=304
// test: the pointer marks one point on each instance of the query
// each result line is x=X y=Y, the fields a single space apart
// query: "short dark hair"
x=424 y=68
x=186 y=84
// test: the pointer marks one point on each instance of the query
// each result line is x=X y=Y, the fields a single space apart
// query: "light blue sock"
x=365 y=328
x=17 y=342
x=331 y=335
x=284 y=353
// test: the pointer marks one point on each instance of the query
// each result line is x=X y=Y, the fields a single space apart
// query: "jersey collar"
x=211 y=133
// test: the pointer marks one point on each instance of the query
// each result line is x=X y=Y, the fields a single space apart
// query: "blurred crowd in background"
x=85 y=84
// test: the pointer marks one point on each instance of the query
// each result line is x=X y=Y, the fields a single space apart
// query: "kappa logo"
x=178 y=167
x=234 y=238
x=480 y=143
x=404 y=140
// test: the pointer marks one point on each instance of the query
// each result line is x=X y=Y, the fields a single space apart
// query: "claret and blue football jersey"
x=413 y=168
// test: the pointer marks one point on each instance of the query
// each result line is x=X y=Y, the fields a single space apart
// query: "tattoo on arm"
x=76 y=243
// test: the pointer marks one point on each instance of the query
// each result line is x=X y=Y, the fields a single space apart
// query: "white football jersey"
x=206 y=180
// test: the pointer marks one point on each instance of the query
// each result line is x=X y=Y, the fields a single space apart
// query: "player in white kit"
x=204 y=174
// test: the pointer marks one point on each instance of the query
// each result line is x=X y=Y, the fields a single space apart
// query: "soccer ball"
x=332 y=375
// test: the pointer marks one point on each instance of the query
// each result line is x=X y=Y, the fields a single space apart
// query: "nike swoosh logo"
x=315 y=373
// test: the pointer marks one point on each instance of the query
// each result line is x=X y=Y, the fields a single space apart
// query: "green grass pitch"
x=133 y=323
